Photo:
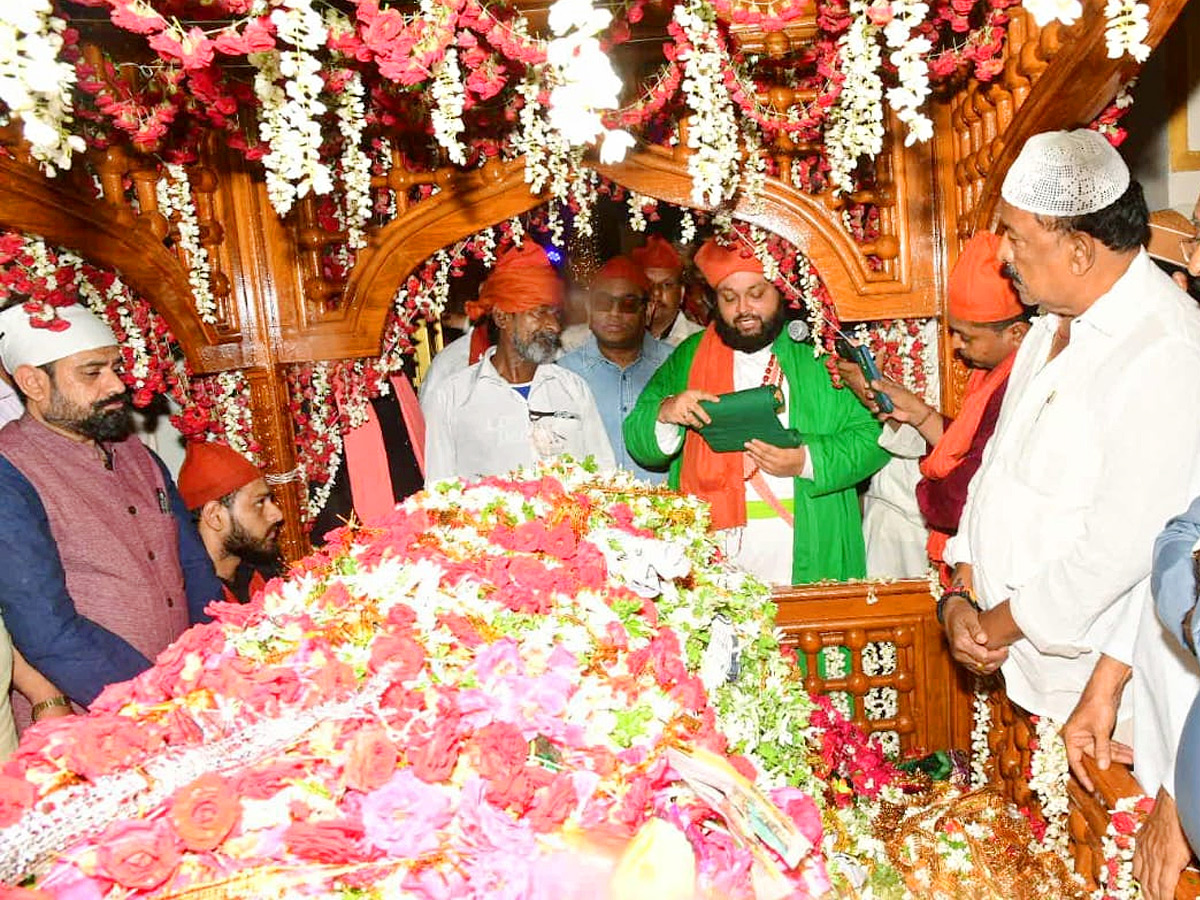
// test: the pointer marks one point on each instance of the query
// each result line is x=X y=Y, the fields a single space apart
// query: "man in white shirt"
x=514 y=407
x=1096 y=446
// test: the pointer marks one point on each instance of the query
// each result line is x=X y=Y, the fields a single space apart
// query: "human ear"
x=214 y=515
x=33 y=382
x=1083 y=253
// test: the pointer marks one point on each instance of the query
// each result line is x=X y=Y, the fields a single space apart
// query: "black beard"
x=750 y=343
x=240 y=543
x=104 y=426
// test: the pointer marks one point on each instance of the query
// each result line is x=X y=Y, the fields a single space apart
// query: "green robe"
x=841 y=437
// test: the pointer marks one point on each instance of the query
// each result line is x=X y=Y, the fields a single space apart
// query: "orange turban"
x=977 y=292
x=625 y=268
x=716 y=263
x=211 y=470
x=522 y=279
x=657 y=253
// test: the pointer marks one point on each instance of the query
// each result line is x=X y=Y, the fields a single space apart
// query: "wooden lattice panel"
x=895 y=675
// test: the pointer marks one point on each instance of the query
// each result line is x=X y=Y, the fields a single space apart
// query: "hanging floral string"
x=174 y=194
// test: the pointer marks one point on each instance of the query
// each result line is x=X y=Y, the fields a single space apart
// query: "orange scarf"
x=718 y=478
x=956 y=439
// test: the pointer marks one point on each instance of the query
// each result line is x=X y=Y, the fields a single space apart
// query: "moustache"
x=1009 y=271
x=113 y=402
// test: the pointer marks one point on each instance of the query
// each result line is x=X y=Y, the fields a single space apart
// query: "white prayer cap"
x=23 y=345
x=1065 y=173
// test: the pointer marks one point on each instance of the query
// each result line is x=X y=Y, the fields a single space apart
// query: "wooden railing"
x=842 y=628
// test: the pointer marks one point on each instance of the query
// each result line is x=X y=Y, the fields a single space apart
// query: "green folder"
x=745 y=415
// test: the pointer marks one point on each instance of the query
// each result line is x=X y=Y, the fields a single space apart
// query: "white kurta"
x=477 y=424
x=8 y=728
x=448 y=361
x=1093 y=452
x=893 y=527
x=764 y=545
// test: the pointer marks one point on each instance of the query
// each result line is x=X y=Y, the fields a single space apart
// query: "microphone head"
x=798 y=330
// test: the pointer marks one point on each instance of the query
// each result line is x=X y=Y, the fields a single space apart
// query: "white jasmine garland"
x=234 y=412
x=754 y=172
x=638 y=203
x=909 y=56
x=174 y=194
x=356 y=165
x=290 y=120
x=855 y=122
x=687 y=227
x=713 y=129
x=325 y=430
x=1127 y=28
x=449 y=99
x=981 y=727
x=1049 y=771
x=35 y=85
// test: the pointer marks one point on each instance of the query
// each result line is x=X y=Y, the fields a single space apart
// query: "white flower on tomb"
x=356 y=165
x=1046 y=11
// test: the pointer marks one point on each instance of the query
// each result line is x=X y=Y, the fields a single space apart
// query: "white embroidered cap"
x=23 y=345
x=1065 y=173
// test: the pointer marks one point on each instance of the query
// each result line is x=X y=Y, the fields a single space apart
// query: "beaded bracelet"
x=947 y=596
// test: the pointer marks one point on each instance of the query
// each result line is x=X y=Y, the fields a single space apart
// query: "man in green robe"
x=766 y=500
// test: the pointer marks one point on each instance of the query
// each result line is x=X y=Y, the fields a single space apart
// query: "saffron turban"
x=716 y=263
x=21 y=344
x=977 y=291
x=657 y=253
x=210 y=471
x=522 y=279
x=625 y=268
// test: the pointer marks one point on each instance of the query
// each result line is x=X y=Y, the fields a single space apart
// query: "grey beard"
x=542 y=348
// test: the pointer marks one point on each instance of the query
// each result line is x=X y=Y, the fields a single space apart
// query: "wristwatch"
x=947 y=596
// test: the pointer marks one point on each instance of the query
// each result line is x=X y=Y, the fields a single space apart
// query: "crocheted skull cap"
x=1065 y=173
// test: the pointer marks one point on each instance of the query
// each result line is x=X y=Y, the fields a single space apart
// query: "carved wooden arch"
x=469 y=203
x=111 y=237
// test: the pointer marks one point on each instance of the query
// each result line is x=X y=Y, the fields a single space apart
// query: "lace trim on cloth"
x=67 y=816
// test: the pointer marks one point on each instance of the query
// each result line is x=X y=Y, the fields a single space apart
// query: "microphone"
x=798 y=330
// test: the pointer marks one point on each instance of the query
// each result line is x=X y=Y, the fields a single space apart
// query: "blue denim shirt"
x=616 y=391
x=39 y=613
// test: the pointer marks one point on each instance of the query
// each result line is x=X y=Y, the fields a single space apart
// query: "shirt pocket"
x=1059 y=455
x=554 y=435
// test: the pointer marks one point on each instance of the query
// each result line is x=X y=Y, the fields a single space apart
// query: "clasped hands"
x=971 y=644
x=684 y=409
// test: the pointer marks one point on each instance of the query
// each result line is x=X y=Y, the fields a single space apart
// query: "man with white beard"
x=514 y=407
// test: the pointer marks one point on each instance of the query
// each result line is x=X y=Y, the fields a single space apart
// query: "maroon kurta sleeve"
x=941 y=501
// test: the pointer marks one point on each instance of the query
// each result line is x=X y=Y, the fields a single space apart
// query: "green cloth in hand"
x=747 y=415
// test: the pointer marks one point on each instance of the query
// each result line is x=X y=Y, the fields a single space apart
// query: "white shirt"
x=11 y=407
x=477 y=424
x=1093 y=452
x=681 y=329
x=893 y=528
x=764 y=545
x=451 y=359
